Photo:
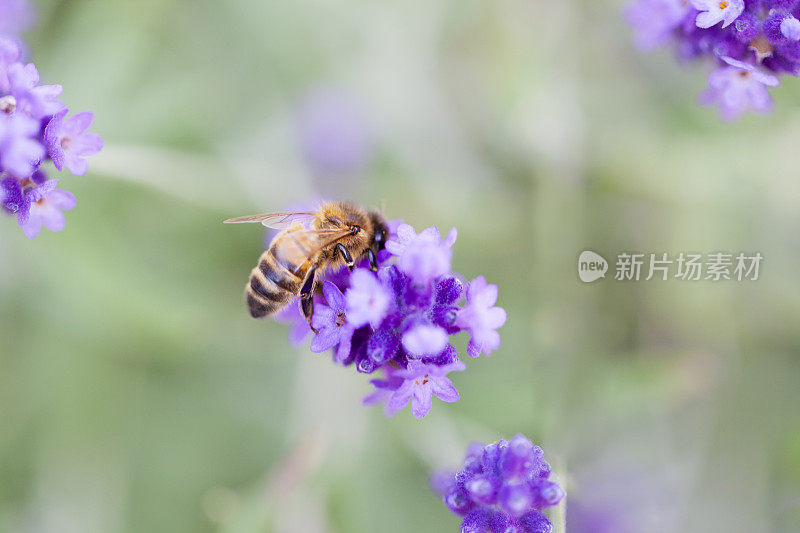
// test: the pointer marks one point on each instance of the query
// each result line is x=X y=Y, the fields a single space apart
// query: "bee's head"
x=380 y=232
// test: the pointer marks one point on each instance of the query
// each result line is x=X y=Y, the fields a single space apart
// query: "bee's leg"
x=348 y=259
x=307 y=298
x=373 y=261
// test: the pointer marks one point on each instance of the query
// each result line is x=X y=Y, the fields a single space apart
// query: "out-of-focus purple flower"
x=331 y=323
x=654 y=21
x=751 y=41
x=25 y=107
x=332 y=132
x=18 y=16
x=20 y=150
x=368 y=300
x=501 y=487
x=36 y=101
x=738 y=88
x=420 y=383
x=46 y=206
x=712 y=12
x=9 y=54
x=424 y=256
x=69 y=142
x=481 y=317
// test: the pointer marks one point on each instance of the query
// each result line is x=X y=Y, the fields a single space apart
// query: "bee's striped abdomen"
x=271 y=287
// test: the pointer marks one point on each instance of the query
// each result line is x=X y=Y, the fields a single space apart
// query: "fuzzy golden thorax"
x=348 y=216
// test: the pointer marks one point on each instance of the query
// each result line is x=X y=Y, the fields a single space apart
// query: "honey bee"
x=338 y=233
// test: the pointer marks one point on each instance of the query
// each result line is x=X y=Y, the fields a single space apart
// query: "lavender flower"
x=367 y=300
x=751 y=41
x=481 y=317
x=425 y=256
x=46 y=206
x=420 y=383
x=737 y=88
x=712 y=12
x=69 y=143
x=399 y=320
x=502 y=487
x=331 y=323
x=34 y=127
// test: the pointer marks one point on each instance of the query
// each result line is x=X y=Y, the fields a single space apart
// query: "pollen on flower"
x=761 y=48
x=8 y=104
x=723 y=5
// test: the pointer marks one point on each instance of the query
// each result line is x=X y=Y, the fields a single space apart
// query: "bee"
x=338 y=233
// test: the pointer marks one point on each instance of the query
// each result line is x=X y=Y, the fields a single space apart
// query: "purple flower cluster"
x=400 y=319
x=501 y=488
x=34 y=127
x=751 y=42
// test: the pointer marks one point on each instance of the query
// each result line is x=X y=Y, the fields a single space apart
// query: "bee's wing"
x=274 y=220
x=294 y=248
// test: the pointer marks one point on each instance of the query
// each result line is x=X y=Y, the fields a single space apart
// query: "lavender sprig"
x=34 y=127
x=751 y=42
x=501 y=488
x=399 y=320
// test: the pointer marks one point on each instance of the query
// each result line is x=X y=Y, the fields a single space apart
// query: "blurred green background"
x=137 y=395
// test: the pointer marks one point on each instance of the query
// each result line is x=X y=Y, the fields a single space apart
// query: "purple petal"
x=88 y=144
x=430 y=234
x=367 y=299
x=790 y=28
x=334 y=297
x=52 y=218
x=495 y=317
x=324 y=317
x=76 y=164
x=401 y=396
x=62 y=199
x=326 y=339
x=33 y=226
x=345 y=342
x=375 y=397
x=77 y=124
x=444 y=390
x=451 y=237
x=425 y=340
x=457 y=366
x=421 y=401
